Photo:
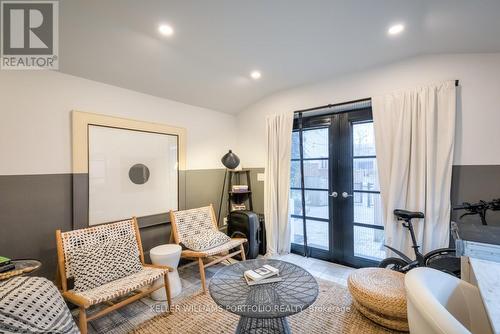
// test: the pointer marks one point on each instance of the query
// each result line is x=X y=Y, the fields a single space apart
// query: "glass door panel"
x=363 y=210
x=342 y=221
x=315 y=161
x=368 y=243
x=316 y=143
x=317 y=234
x=297 y=231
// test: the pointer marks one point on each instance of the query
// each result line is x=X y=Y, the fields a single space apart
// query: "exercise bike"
x=442 y=259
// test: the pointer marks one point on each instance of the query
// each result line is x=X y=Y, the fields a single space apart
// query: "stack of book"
x=262 y=275
x=237 y=207
x=239 y=188
x=6 y=264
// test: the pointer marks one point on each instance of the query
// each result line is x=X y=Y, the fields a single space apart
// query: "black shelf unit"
x=237 y=197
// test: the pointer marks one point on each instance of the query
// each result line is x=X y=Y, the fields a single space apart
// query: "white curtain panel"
x=414 y=135
x=277 y=182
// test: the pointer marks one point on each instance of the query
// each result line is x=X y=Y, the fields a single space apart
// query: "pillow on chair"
x=208 y=239
x=98 y=264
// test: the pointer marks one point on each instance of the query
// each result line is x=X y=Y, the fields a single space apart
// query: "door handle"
x=334 y=194
x=345 y=195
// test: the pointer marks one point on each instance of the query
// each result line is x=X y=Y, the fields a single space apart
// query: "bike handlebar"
x=481 y=205
x=479 y=208
x=462 y=207
x=495 y=204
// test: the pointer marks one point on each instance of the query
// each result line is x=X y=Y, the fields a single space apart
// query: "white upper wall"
x=35 y=120
x=35 y=106
x=477 y=133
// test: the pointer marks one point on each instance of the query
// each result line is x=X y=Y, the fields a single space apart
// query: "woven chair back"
x=188 y=222
x=92 y=236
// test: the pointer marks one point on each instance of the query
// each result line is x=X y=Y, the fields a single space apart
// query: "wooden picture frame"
x=81 y=123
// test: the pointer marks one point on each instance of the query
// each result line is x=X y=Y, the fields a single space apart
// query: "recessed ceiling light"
x=166 y=30
x=396 y=29
x=255 y=75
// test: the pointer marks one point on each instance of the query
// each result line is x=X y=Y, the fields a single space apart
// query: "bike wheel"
x=393 y=263
x=445 y=262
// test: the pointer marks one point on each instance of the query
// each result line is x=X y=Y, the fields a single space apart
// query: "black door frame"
x=308 y=123
x=346 y=183
x=341 y=222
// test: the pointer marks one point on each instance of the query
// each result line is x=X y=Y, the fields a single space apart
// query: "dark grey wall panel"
x=80 y=195
x=153 y=236
x=203 y=187
x=32 y=208
x=257 y=190
x=475 y=182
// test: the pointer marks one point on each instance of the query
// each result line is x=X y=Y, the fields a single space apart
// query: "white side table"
x=167 y=255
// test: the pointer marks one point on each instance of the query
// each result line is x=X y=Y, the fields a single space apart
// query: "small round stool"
x=167 y=255
x=379 y=294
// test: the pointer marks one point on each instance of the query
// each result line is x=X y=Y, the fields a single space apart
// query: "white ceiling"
x=292 y=42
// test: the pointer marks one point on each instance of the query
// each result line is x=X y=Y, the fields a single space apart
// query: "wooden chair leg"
x=243 y=256
x=167 y=290
x=202 y=274
x=58 y=278
x=82 y=320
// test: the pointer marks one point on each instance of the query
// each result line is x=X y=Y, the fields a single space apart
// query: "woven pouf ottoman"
x=379 y=294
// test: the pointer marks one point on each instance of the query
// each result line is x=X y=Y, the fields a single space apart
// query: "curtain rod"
x=333 y=105
x=343 y=103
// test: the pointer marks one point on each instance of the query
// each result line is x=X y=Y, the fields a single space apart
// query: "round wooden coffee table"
x=263 y=308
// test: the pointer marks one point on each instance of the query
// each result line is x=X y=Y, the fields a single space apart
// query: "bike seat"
x=404 y=214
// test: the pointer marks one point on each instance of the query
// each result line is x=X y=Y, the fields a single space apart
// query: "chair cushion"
x=205 y=240
x=122 y=286
x=33 y=305
x=98 y=264
x=232 y=243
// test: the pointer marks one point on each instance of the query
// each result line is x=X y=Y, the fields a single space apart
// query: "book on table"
x=6 y=264
x=262 y=275
x=4 y=261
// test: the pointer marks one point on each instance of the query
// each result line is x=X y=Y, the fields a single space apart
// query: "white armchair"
x=442 y=304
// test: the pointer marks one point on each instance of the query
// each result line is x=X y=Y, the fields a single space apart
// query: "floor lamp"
x=230 y=161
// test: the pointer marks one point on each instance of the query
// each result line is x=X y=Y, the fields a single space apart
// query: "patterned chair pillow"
x=205 y=240
x=98 y=264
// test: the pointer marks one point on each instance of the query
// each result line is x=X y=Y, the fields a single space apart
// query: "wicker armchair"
x=202 y=221
x=106 y=262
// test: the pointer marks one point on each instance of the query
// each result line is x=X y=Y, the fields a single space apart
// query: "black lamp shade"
x=230 y=160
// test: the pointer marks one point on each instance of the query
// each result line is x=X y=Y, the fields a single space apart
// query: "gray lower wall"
x=257 y=190
x=475 y=182
x=32 y=207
